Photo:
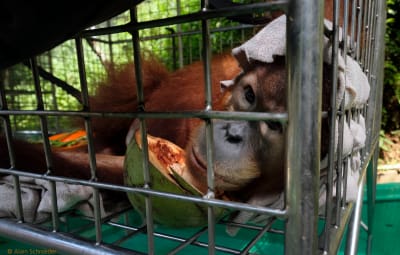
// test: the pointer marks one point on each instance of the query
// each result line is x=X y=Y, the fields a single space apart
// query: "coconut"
x=168 y=173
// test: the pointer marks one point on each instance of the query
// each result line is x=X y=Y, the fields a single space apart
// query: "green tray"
x=386 y=232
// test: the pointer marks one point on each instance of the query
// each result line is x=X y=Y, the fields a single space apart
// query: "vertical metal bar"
x=377 y=80
x=378 y=59
x=345 y=26
x=371 y=37
x=365 y=35
x=353 y=27
x=89 y=135
x=341 y=161
x=354 y=224
x=179 y=30
x=11 y=153
x=143 y=131
x=332 y=120
x=18 y=197
x=53 y=92
x=305 y=28
x=173 y=46
x=374 y=20
x=340 y=164
x=371 y=195
x=190 y=52
x=373 y=124
x=206 y=47
x=367 y=49
x=46 y=142
x=110 y=43
x=207 y=77
x=347 y=165
x=359 y=30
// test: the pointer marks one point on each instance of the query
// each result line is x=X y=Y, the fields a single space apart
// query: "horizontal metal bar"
x=255 y=116
x=175 y=34
x=144 y=191
x=201 y=15
x=196 y=32
x=60 y=242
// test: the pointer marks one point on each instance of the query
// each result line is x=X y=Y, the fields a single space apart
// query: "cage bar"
x=304 y=124
x=143 y=132
x=46 y=142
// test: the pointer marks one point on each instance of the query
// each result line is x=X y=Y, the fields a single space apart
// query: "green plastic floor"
x=386 y=233
x=386 y=225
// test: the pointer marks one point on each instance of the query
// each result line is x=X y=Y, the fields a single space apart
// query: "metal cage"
x=300 y=230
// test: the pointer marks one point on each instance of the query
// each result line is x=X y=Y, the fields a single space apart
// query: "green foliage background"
x=117 y=48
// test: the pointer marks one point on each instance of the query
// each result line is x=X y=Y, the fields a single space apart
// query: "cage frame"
x=301 y=236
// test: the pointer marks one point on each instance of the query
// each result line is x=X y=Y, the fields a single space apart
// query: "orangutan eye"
x=274 y=125
x=249 y=94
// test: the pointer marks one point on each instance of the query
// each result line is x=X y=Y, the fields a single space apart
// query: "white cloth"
x=37 y=200
x=271 y=41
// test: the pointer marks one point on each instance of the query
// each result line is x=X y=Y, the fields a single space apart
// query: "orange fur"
x=182 y=90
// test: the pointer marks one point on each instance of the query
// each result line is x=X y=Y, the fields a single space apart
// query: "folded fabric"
x=37 y=199
x=354 y=135
x=267 y=43
x=352 y=167
x=353 y=84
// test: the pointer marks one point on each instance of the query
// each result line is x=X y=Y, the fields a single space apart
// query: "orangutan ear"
x=226 y=84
